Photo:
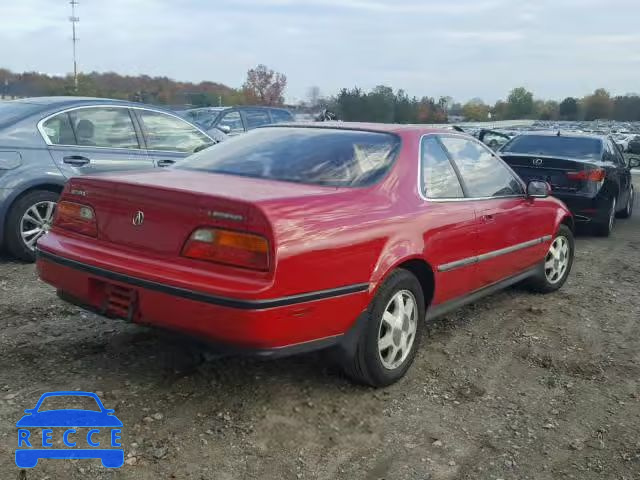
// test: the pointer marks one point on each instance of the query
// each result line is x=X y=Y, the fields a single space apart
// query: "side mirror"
x=634 y=162
x=537 y=189
x=226 y=129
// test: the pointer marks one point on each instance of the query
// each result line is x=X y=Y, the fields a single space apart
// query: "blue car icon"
x=69 y=419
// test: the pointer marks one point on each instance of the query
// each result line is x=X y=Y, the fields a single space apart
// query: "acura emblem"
x=537 y=162
x=138 y=218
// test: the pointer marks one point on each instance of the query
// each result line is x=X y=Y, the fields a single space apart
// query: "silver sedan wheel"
x=557 y=260
x=36 y=222
x=397 y=329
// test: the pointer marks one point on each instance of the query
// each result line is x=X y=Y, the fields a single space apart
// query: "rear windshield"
x=574 y=147
x=317 y=156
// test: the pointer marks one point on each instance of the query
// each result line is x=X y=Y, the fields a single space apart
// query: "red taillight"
x=232 y=248
x=596 y=175
x=77 y=218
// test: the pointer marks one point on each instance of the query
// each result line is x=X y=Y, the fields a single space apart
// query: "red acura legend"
x=295 y=238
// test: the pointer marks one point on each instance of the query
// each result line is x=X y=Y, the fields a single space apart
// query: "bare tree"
x=264 y=86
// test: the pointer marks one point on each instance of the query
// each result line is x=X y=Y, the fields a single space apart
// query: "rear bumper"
x=586 y=209
x=278 y=326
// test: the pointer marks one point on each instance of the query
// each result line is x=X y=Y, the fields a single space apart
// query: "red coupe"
x=295 y=238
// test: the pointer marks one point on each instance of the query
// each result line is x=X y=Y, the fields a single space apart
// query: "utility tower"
x=73 y=19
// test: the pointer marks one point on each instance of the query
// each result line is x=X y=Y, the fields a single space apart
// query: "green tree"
x=568 y=109
x=476 y=110
x=598 y=105
x=519 y=103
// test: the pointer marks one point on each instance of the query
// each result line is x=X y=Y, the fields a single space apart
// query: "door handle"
x=165 y=162
x=76 y=160
x=487 y=218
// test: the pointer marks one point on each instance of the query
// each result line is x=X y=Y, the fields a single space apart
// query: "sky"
x=460 y=48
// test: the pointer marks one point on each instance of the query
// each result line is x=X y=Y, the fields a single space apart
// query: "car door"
x=450 y=226
x=94 y=139
x=512 y=229
x=169 y=138
x=232 y=122
x=622 y=172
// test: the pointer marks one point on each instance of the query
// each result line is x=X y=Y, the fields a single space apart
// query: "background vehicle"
x=289 y=239
x=235 y=120
x=45 y=140
x=587 y=172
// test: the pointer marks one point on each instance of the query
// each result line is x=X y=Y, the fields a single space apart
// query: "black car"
x=235 y=120
x=587 y=172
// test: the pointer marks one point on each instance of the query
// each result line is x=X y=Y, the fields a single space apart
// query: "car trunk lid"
x=554 y=170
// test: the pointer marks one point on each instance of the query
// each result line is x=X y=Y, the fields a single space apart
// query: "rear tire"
x=388 y=343
x=557 y=263
x=628 y=210
x=605 y=228
x=17 y=225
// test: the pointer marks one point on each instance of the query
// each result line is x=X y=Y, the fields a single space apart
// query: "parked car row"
x=236 y=120
x=294 y=237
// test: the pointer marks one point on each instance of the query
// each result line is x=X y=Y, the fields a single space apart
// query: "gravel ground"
x=517 y=386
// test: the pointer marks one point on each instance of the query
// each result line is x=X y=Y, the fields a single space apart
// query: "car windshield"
x=573 y=147
x=69 y=402
x=317 y=156
x=13 y=111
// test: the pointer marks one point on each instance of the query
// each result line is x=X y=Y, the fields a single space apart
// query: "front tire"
x=628 y=210
x=29 y=219
x=557 y=263
x=390 y=337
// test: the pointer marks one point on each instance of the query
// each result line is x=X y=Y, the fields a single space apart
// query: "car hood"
x=69 y=418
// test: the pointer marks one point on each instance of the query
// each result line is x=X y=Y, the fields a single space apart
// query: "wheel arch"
x=419 y=267
x=19 y=193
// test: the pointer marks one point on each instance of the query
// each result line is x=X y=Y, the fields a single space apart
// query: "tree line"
x=264 y=86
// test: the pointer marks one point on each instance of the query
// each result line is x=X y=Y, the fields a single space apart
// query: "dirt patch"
x=518 y=386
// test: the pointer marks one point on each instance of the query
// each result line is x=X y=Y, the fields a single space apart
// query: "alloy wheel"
x=397 y=329
x=36 y=222
x=557 y=260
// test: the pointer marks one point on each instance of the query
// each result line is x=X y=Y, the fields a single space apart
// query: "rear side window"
x=439 y=179
x=483 y=174
x=256 y=118
x=104 y=127
x=317 y=156
x=281 y=116
x=553 y=145
x=59 y=131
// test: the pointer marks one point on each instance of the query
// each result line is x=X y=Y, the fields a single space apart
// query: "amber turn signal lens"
x=240 y=249
x=76 y=218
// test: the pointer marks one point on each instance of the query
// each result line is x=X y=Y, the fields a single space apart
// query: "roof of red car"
x=376 y=127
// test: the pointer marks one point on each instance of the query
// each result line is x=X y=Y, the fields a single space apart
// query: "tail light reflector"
x=76 y=218
x=239 y=249
x=596 y=175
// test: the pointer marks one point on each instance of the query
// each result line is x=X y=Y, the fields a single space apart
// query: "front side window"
x=256 y=118
x=168 y=133
x=439 y=179
x=233 y=121
x=59 y=131
x=317 y=156
x=483 y=174
x=103 y=127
